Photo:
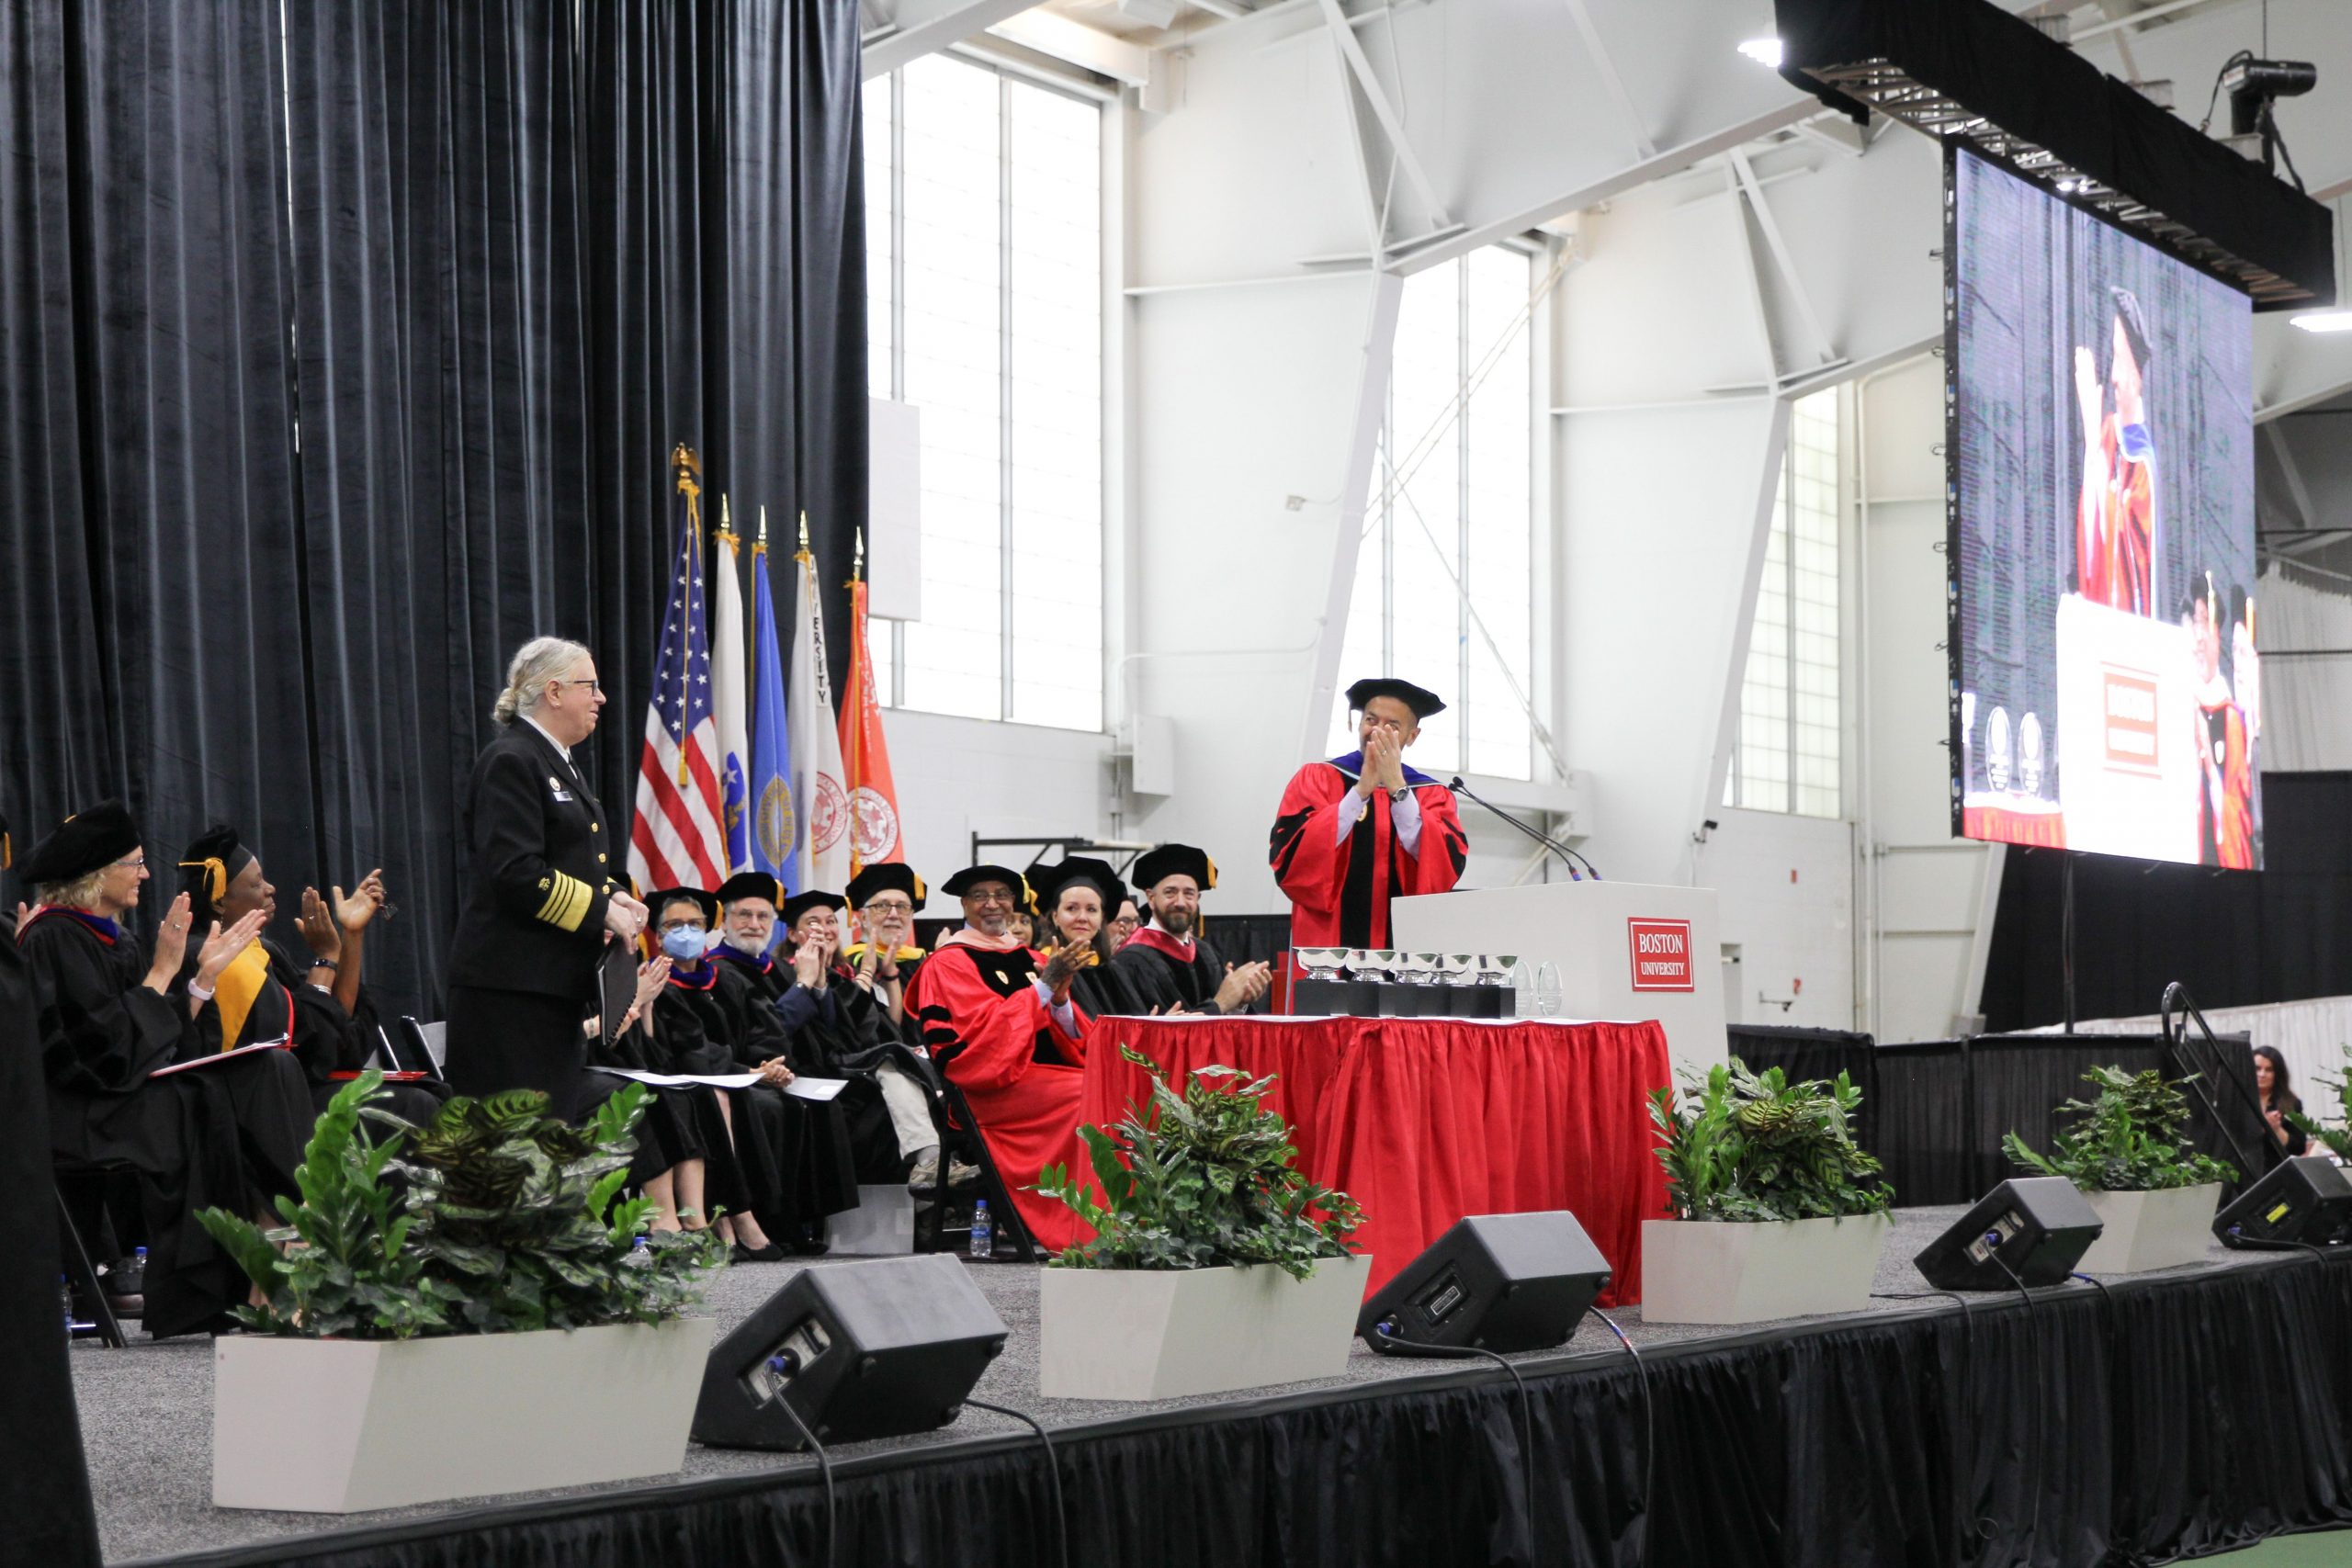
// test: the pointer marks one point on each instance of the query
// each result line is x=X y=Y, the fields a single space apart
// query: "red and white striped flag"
x=679 y=839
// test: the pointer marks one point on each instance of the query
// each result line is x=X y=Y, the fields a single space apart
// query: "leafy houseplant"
x=1748 y=1147
x=1166 y=1301
x=2129 y=1137
x=1201 y=1179
x=503 y=1219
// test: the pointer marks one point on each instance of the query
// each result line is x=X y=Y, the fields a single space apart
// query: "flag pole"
x=687 y=468
x=861 y=669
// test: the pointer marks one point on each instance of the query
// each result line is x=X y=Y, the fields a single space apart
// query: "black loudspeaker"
x=1496 y=1281
x=2036 y=1228
x=872 y=1349
x=2303 y=1201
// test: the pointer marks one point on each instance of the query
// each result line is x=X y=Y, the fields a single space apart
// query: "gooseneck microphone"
x=1568 y=857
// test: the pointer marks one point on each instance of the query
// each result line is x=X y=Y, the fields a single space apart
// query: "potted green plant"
x=2128 y=1149
x=1214 y=1264
x=455 y=1310
x=1776 y=1212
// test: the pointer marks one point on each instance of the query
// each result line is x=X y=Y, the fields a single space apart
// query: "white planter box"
x=1717 y=1271
x=336 y=1426
x=1168 y=1334
x=882 y=1226
x=2152 y=1230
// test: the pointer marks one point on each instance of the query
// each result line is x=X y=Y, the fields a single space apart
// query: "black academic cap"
x=801 y=904
x=81 y=844
x=971 y=877
x=210 y=862
x=1097 y=875
x=1422 y=703
x=751 y=884
x=1156 y=866
x=662 y=898
x=888 y=877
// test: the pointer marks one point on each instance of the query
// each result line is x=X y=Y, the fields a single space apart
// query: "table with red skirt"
x=1423 y=1120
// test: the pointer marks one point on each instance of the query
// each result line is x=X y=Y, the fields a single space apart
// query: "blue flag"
x=774 y=829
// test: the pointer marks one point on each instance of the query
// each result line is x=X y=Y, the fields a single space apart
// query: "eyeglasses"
x=893 y=908
x=598 y=684
x=139 y=865
x=990 y=896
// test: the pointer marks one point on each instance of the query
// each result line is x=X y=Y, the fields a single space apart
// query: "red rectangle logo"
x=2128 y=700
x=1661 y=954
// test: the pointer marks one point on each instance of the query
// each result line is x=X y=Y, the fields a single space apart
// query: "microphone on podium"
x=1549 y=842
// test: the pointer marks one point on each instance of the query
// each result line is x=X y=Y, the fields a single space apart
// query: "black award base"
x=1332 y=998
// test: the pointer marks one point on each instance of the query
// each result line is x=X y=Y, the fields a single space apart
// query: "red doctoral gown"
x=989 y=1031
x=1338 y=889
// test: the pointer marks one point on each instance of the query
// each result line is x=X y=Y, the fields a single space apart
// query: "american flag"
x=678 y=840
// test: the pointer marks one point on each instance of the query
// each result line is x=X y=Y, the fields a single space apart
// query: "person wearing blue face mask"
x=2115 y=518
x=772 y=1168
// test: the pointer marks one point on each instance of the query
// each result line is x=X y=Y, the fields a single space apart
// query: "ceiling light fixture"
x=1765 y=52
x=2324 y=321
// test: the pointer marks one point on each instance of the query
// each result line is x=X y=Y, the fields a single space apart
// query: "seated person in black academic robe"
x=1073 y=894
x=883 y=902
x=670 y=1164
x=787 y=1176
x=316 y=1004
x=228 y=1135
x=1167 y=964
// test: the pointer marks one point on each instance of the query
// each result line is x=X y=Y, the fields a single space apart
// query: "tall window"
x=984 y=257
x=1445 y=579
x=1786 y=757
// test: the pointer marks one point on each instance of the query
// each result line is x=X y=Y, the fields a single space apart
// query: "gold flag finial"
x=688 y=469
x=760 y=547
x=726 y=519
x=806 y=554
x=857 y=558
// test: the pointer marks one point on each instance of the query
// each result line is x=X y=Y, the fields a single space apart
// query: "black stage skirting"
x=2170 y=1417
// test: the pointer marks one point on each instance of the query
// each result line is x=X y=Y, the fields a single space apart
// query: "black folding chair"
x=953 y=1114
x=83 y=1276
x=405 y=1048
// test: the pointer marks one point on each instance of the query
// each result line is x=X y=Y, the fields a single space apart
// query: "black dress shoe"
x=771 y=1253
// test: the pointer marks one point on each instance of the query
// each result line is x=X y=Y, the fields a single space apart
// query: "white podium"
x=1624 y=950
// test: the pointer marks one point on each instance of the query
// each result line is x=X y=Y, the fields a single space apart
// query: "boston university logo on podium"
x=1661 y=954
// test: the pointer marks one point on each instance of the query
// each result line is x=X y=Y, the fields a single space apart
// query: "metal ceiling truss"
x=1887 y=88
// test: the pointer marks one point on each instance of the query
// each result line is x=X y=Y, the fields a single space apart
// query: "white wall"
x=961 y=776
x=1786 y=892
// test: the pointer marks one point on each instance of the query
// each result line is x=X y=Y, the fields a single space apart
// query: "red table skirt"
x=1423 y=1120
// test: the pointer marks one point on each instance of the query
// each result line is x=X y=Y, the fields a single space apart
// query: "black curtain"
x=297 y=451
x=2234 y=937
x=149 y=645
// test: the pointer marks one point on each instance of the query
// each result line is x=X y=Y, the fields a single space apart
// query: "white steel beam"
x=1080 y=45
x=1779 y=248
x=1392 y=124
x=1355 y=487
x=1626 y=109
x=917 y=28
x=1768 y=489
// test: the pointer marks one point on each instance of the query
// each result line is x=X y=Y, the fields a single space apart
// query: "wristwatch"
x=1396 y=796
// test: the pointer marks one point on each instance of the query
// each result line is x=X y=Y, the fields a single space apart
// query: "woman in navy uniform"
x=543 y=900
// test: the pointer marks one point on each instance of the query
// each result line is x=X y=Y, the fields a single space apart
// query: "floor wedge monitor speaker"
x=2032 y=1231
x=1493 y=1283
x=870 y=1350
x=2303 y=1201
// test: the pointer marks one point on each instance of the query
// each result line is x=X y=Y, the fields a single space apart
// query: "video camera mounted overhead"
x=2255 y=87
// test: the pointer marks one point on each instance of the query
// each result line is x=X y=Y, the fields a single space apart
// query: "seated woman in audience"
x=754 y=1135
x=1075 y=896
x=228 y=1134
x=1023 y=928
x=2279 y=1101
x=669 y=1164
x=317 y=1005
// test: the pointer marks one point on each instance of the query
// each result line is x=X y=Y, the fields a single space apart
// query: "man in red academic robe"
x=2115 y=517
x=1361 y=829
x=2225 y=763
x=1004 y=1031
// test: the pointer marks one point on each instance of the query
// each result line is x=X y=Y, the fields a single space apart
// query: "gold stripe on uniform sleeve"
x=567 y=904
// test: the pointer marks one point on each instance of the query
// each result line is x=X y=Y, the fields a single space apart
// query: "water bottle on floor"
x=65 y=1299
x=983 y=1232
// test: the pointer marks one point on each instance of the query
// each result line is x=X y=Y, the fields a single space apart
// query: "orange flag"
x=865 y=758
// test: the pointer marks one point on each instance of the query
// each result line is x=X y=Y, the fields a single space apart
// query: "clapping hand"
x=363 y=904
x=651 y=978
x=2089 y=396
x=1063 y=967
x=171 y=943
x=1384 y=763
x=1243 y=985
x=808 y=965
x=222 y=947
x=319 y=928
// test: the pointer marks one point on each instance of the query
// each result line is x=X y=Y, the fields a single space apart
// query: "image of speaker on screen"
x=2115 y=519
x=2226 y=834
x=2101 y=467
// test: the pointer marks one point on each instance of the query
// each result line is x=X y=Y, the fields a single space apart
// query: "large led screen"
x=2099 y=447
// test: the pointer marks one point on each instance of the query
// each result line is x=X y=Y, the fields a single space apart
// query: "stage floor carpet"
x=2179 y=1414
